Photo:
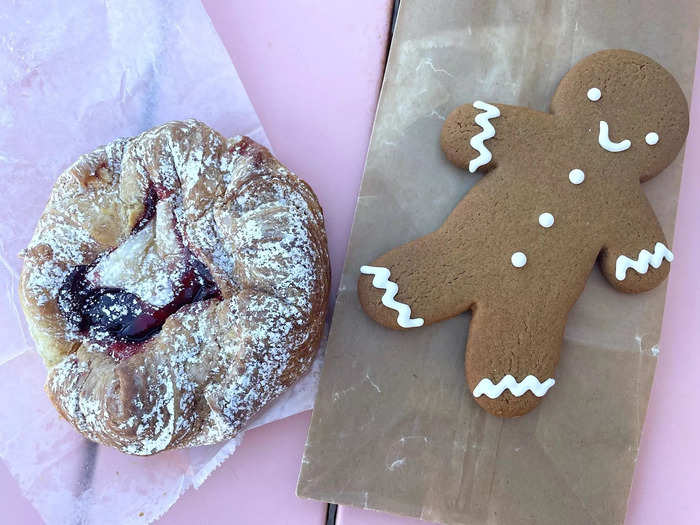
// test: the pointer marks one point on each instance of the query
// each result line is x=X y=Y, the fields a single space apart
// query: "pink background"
x=312 y=69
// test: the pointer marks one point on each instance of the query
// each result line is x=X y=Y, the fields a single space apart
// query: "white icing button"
x=593 y=94
x=576 y=176
x=651 y=138
x=546 y=220
x=518 y=259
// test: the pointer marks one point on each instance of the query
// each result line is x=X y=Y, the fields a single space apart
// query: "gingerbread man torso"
x=560 y=212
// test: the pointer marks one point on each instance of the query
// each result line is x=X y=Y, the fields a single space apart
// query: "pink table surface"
x=312 y=71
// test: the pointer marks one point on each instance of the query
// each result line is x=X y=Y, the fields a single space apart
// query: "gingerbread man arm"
x=480 y=136
x=636 y=256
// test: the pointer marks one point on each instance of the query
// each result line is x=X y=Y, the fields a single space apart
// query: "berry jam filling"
x=119 y=318
x=149 y=208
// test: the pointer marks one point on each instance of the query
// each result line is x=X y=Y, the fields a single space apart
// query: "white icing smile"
x=381 y=280
x=531 y=383
x=643 y=261
x=609 y=145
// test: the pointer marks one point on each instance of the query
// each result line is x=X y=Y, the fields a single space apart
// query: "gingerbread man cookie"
x=562 y=191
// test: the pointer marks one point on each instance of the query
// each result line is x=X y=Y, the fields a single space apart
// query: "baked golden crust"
x=257 y=229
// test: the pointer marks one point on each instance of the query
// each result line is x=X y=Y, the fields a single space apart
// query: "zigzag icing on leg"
x=531 y=383
x=381 y=280
x=477 y=141
x=641 y=264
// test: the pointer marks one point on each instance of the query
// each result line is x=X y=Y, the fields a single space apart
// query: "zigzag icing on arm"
x=531 y=383
x=643 y=261
x=381 y=280
x=477 y=141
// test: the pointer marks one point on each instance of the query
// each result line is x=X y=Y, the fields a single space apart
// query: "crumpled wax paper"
x=75 y=75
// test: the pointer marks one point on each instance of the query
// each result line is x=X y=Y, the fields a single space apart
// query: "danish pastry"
x=176 y=282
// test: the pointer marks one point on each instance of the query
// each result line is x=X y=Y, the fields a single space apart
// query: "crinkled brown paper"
x=395 y=427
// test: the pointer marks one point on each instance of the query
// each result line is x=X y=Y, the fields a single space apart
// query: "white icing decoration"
x=487 y=388
x=576 y=176
x=643 y=261
x=651 y=138
x=546 y=220
x=477 y=141
x=609 y=145
x=519 y=259
x=381 y=280
x=593 y=94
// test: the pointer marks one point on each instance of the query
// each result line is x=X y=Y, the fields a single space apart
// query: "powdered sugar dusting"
x=214 y=364
x=148 y=263
x=156 y=428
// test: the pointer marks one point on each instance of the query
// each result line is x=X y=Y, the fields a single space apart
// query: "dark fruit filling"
x=118 y=318
x=149 y=208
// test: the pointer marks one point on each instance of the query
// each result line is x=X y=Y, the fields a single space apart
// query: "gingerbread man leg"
x=511 y=356
x=399 y=290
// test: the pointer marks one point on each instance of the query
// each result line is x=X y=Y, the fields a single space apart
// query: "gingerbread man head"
x=633 y=104
x=562 y=191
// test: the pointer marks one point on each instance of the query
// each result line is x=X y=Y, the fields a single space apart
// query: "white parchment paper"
x=74 y=75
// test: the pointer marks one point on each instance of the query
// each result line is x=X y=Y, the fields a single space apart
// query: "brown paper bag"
x=395 y=428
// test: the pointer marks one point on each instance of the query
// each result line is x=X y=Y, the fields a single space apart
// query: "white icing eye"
x=576 y=176
x=518 y=259
x=651 y=138
x=546 y=220
x=593 y=94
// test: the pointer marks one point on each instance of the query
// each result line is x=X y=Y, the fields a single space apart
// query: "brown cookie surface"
x=562 y=191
